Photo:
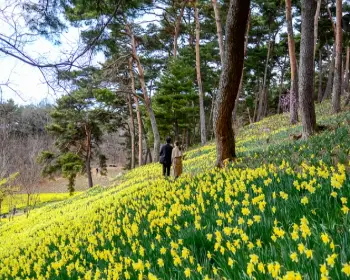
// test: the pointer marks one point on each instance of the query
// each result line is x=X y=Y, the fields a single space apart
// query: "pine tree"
x=78 y=121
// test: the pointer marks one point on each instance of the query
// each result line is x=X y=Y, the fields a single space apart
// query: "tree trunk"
x=319 y=97
x=263 y=92
x=148 y=150
x=211 y=114
x=138 y=113
x=331 y=19
x=199 y=78
x=183 y=137
x=132 y=131
x=149 y=155
x=307 y=69
x=250 y=118
x=176 y=130
x=328 y=90
x=237 y=18
x=256 y=103
x=346 y=74
x=146 y=97
x=27 y=206
x=88 y=156
x=317 y=15
x=241 y=82
x=293 y=66
x=337 y=84
x=178 y=26
x=281 y=88
x=219 y=30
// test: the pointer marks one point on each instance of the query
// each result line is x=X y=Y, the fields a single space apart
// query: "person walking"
x=176 y=158
x=165 y=156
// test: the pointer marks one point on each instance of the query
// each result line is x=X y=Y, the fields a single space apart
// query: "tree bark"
x=138 y=113
x=328 y=90
x=132 y=131
x=263 y=92
x=281 y=87
x=237 y=18
x=219 y=30
x=256 y=102
x=293 y=65
x=319 y=97
x=307 y=69
x=331 y=19
x=88 y=156
x=146 y=97
x=178 y=26
x=337 y=84
x=211 y=115
x=346 y=74
x=199 y=78
x=234 y=114
x=317 y=15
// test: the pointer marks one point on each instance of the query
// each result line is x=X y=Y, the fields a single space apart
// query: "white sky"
x=27 y=80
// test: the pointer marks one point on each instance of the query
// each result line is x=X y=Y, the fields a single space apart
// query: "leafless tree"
x=20 y=28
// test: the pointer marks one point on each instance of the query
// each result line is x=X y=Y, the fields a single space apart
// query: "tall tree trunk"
x=263 y=92
x=331 y=19
x=199 y=77
x=88 y=156
x=338 y=80
x=317 y=15
x=211 y=115
x=330 y=80
x=328 y=91
x=293 y=66
x=237 y=18
x=256 y=103
x=146 y=97
x=183 y=137
x=178 y=26
x=28 y=204
x=234 y=114
x=148 y=150
x=307 y=69
x=132 y=131
x=176 y=130
x=320 y=91
x=281 y=87
x=346 y=74
x=219 y=30
x=138 y=113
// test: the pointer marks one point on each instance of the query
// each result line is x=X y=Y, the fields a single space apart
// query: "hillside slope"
x=280 y=211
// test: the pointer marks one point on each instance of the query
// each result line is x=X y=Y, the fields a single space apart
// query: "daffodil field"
x=280 y=212
x=20 y=200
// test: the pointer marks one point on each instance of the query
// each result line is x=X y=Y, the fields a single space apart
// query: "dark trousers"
x=166 y=169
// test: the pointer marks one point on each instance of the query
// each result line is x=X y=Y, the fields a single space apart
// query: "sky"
x=26 y=81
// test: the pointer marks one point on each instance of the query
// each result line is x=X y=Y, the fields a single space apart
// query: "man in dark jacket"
x=165 y=156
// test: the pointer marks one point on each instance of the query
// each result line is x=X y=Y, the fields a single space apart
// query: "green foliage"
x=103 y=164
x=79 y=121
x=175 y=99
x=69 y=165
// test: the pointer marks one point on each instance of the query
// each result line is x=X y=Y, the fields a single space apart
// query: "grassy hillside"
x=279 y=212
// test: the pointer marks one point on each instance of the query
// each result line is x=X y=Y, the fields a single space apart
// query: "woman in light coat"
x=176 y=158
